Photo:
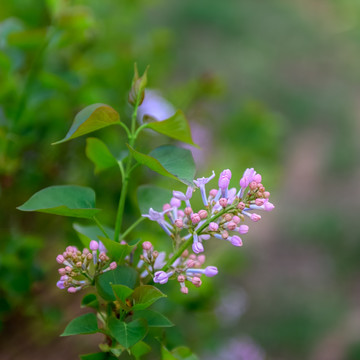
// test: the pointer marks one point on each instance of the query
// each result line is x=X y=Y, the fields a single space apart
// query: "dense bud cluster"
x=80 y=268
x=223 y=216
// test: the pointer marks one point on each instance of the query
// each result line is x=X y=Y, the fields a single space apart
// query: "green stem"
x=132 y=227
x=98 y=223
x=121 y=206
x=126 y=128
x=186 y=244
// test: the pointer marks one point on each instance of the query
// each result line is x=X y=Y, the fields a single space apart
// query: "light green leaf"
x=153 y=318
x=90 y=300
x=140 y=349
x=166 y=354
x=116 y=251
x=175 y=127
x=65 y=200
x=87 y=233
x=122 y=275
x=168 y=160
x=127 y=334
x=100 y=155
x=152 y=197
x=146 y=295
x=84 y=324
x=179 y=353
x=122 y=292
x=92 y=118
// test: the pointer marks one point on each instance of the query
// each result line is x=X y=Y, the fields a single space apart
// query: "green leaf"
x=168 y=160
x=175 y=127
x=140 y=349
x=94 y=356
x=116 y=251
x=84 y=324
x=146 y=295
x=92 y=118
x=90 y=300
x=87 y=233
x=184 y=353
x=65 y=200
x=127 y=334
x=153 y=318
x=166 y=354
x=100 y=155
x=122 y=292
x=152 y=197
x=122 y=275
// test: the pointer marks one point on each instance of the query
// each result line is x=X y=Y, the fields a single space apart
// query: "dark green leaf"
x=175 y=127
x=116 y=251
x=94 y=356
x=153 y=318
x=87 y=233
x=122 y=292
x=122 y=275
x=100 y=155
x=84 y=324
x=168 y=160
x=92 y=118
x=152 y=197
x=127 y=334
x=146 y=295
x=140 y=349
x=65 y=200
x=90 y=300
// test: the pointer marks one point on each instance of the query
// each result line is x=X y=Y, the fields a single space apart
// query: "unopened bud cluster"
x=80 y=268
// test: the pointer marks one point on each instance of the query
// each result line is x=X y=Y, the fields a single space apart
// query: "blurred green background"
x=267 y=84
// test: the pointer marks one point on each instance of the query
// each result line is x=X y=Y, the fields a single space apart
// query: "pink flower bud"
x=226 y=173
x=231 y=225
x=86 y=251
x=203 y=214
x=94 y=245
x=223 y=202
x=241 y=206
x=60 y=259
x=224 y=183
x=244 y=182
x=147 y=245
x=62 y=271
x=253 y=185
x=174 y=202
x=211 y=271
x=196 y=281
x=257 y=178
x=255 y=217
x=269 y=206
x=243 y=229
x=195 y=218
x=266 y=194
x=213 y=192
x=68 y=269
x=236 y=219
x=72 y=290
x=236 y=241
x=192 y=257
x=155 y=254
x=181 y=278
x=180 y=213
x=185 y=253
x=225 y=234
x=201 y=259
x=259 y=202
x=184 y=289
x=113 y=265
x=213 y=226
x=179 y=223
x=188 y=210
x=78 y=264
x=227 y=217
x=197 y=247
x=190 y=263
x=166 y=207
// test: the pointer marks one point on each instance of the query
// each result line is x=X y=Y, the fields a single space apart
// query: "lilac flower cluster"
x=80 y=268
x=223 y=216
